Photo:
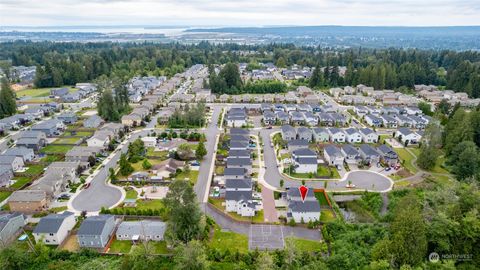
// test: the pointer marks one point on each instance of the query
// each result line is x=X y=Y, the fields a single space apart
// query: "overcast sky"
x=239 y=12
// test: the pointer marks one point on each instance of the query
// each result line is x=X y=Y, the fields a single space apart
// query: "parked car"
x=387 y=169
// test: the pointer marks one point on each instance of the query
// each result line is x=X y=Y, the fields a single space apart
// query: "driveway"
x=269 y=211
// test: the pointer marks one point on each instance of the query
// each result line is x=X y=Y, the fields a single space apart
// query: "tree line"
x=69 y=63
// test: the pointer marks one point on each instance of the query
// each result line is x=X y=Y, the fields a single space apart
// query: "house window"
x=51 y=234
x=48 y=241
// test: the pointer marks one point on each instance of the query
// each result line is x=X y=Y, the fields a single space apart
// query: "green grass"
x=158 y=154
x=258 y=218
x=60 y=149
x=231 y=241
x=78 y=133
x=321 y=198
x=219 y=170
x=35 y=169
x=303 y=245
x=4 y=195
x=158 y=247
x=137 y=166
x=361 y=214
x=192 y=176
x=131 y=194
x=407 y=158
x=326 y=216
x=118 y=246
x=57 y=209
x=20 y=181
x=66 y=140
x=50 y=158
x=41 y=92
x=382 y=138
x=322 y=172
x=150 y=204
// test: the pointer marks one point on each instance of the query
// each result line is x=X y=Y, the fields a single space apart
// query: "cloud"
x=238 y=12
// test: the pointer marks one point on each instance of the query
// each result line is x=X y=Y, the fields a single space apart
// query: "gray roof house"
x=239 y=154
x=234 y=173
x=59 y=92
x=6 y=174
x=93 y=121
x=282 y=117
x=297 y=144
x=50 y=127
x=68 y=118
x=149 y=230
x=34 y=144
x=81 y=153
x=288 y=133
x=25 y=153
x=297 y=118
x=333 y=155
x=96 y=231
x=369 y=154
x=10 y=225
x=321 y=134
x=239 y=131
x=14 y=162
x=350 y=153
x=388 y=156
x=239 y=163
x=54 y=228
x=304 y=133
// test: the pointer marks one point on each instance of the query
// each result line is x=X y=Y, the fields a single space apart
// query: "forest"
x=68 y=63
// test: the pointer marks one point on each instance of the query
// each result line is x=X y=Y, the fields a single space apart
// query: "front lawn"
x=118 y=246
x=162 y=155
x=225 y=240
x=34 y=169
x=50 y=158
x=138 y=166
x=131 y=194
x=56 y=149
x=149 y=204
x=191 y=176
x=322 y=172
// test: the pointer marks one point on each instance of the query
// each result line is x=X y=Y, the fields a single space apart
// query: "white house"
x=407 y=136
x=373 y=121
x=101 y=139
x=54 y=228
x=353 y=136
x=305 y=160
x=302 y=211
x=14 y=162
x=236 y=117
x=336 y=135
x=333 y=155
x=368 y=135
x=149 y=141
x=238 y=197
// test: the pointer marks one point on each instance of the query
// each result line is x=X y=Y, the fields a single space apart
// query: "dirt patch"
x=71 y=243
x=403 y=173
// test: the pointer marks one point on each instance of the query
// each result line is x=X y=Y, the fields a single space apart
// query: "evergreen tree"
x=8 y=105
x=201 y=150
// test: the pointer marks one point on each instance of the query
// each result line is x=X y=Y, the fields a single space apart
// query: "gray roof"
x=239 y=183
x=94 y=225
x=239 y=138
x=7 y=159
x=239 y=153
x=307 y=160
x=234 y=171
x=351 y=131
x=368 y=150
x=288 y=128
x=27 y=196
x=18 y=151
x=320 y=130
x=387 y=150
x=405 y=131
x=142 y=227
x=238 y=162
x=28 y=141
x=304 y=152
x=332 y=150
x=238 y=195
x=51 y=223
x=32 y=134
x=306 y=206
x=239 y=131
x=304 y=130
x=5 y=218
x=366 y=131
x=237 y=144
x=349 y=150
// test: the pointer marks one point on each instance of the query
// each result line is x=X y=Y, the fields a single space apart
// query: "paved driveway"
x=269 y=211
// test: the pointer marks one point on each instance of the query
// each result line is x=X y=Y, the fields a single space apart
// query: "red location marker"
x=303 y=192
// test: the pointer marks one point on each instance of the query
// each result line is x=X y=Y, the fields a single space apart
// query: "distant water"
x=168 y=31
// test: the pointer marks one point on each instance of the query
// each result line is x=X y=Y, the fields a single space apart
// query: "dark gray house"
x=93 y=121
x=25 y=153
x=96 y=231
x=10 y=225
x=68 y=118
x=6 y=174
x=59 y=92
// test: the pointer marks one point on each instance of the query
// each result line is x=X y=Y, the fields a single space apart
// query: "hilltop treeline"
x=68 y=63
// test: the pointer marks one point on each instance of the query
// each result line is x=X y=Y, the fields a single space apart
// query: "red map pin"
x=303 y=192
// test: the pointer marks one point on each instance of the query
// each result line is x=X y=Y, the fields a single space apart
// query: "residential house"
x=26 y=154
x=81 y=153
x=239 y=163
x=337 y=135
x=167 y=167
x=368 y=135
x=10 y=226
x=239 y=131
x=72 y=97
x=236 y=117
x=234 y=173
x=302 y=211
x=373 y=121
x=321 y=134
x=96 y=231
x=100 y=138
x=297 y=144
x=28 y=201
x=389 y=122
x=326 y=119
x=54 y=228
x=388 y=156
x=59 y=92
x=350 y=153
x=369 y=154
x=149 y=141
x=6 y=174
x=296 y=118
x=143 y=230
x=333 y=155
x=310 y=119
x=132 y=120
x=269 y=118
x=304 y=133
x=68 y=118
x=339 y=119
x=238 y=197
x=50 y=127
x=305 y=160
x=288 y=133
x=239 y=145
x=93 y=121
x=353 y=135
x=239 y=153
x=282 y=117
x=13 y=162
x=406 y=136
x=36 y=112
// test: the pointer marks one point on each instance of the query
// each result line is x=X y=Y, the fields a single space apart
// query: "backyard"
x=322 y=172
x=190 y=175
x=406 y=158
x=226 y=240
x=56 y=149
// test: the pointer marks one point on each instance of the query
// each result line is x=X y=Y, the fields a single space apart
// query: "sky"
x=239 y=12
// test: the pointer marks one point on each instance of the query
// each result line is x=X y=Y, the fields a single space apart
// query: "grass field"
x=321 y=198
x=40 y=92
x=118 y=246
x=322 y=172
x=72 y=140
x=150 y=204
x=327 y=215
x=407 y=159
x=303 y=245
x=192 y=176
x=231 y=241
x=159 y=154
x=60 y=149
x=158 y=247
x=35 y=169
x=138 y=165
x=50 y=158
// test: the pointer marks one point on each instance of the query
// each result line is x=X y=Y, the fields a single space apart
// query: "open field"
x=226 y=240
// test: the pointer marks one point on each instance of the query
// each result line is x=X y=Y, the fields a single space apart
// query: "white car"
x=350 y=185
